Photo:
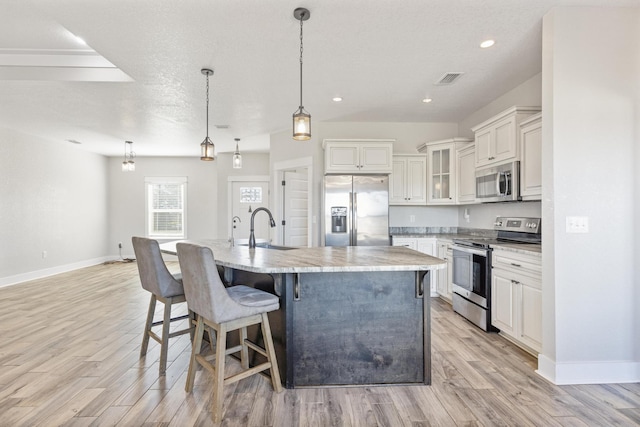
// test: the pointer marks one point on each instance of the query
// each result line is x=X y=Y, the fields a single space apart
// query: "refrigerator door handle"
x=354 y=212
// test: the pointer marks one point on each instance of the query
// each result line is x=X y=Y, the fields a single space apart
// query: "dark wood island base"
x=357 y=324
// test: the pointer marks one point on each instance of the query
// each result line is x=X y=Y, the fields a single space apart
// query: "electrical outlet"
x=119 y=245
x=44 y=254
x=412 y=218
x=577 y=224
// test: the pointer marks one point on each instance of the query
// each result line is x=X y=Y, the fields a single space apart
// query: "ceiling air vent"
x=448 y=78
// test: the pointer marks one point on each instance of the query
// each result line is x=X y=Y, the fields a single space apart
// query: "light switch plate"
x=577 y=224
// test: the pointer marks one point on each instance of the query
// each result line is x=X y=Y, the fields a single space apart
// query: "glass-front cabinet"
x=441 y=173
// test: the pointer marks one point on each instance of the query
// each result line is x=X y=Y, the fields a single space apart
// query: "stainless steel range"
x=472 y=266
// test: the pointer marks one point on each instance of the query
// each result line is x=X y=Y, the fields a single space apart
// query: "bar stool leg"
x=268 y=345
x=164 y=345
x=218 y=377
x=244 y=352
x=147 y=325
x=195 y=349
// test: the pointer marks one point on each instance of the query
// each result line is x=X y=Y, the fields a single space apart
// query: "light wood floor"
x=69 y=356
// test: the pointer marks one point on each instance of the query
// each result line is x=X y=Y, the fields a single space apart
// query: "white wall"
x=53 y=198
x=127 y=197
x=528 y=93
x=591 y=326
x=407 y=135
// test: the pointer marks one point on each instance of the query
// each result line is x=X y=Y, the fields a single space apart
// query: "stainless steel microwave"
x=498 y=183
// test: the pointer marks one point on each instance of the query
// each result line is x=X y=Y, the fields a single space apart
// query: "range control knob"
x=498 y=223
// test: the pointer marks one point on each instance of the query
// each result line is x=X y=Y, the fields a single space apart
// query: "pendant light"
x=206 y=147
x=128 y=165
x=301 y=119
x=237 y=157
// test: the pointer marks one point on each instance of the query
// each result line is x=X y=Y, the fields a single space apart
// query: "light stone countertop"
x=316 y=259
x=523 y=248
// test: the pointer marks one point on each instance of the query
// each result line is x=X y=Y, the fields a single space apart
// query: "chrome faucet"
x=252 y=236
x=233 y=226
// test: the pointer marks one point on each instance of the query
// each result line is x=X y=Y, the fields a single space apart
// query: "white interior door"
x=246 y=196
x=295 y=209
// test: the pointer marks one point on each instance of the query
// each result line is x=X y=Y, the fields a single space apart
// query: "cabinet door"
x=502 y=302
x=531 y=314
x=449 y=260
x=443 y=281
x=375 y=158
x=398 y=182
x=428 y=246
x=466 y=175
x=441 y=178
x=504 y=146
x=342 y=158
x=416 y=180
x=483 y=147
x=531 y=165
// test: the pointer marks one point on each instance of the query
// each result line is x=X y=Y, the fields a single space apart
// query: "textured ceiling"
x=138 y=78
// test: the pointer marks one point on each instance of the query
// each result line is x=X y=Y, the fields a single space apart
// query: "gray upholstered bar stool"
x=164 y=287
x=224 y=310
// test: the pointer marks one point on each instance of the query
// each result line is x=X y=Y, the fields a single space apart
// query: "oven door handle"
x=482 y=252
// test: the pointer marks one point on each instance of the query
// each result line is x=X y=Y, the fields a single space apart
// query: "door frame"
x=278 y=174
x=242 y=178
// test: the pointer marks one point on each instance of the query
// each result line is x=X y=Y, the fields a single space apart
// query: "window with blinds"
x=166 y=207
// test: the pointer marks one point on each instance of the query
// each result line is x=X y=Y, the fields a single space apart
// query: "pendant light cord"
x=207 y=106
x=301 y=50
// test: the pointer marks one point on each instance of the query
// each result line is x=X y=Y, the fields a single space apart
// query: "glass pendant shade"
x=237 y=157
x=301 y=125
x=128 y=165
x=207 y=149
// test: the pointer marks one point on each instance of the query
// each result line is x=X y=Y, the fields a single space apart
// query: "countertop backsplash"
x=427 y=231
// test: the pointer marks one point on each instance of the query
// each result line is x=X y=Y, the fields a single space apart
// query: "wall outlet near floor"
x=44 y=254
x=412 y=218
x=577 y=224
x=119 y=245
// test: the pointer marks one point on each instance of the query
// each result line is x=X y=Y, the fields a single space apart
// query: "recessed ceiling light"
x=427 y=100
x=487 y=43
x=337 y=99
x=222 y=126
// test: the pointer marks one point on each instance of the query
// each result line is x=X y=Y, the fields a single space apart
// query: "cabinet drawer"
x=516 y=262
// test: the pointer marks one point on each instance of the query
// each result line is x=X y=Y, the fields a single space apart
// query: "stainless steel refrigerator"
x=356 y=210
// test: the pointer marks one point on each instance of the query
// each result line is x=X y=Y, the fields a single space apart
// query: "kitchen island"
x=348 y=315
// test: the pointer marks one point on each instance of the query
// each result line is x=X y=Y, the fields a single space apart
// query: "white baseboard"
x=588 y=373
x=38 y=274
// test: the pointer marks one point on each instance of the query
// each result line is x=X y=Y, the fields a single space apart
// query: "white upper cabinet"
x=497 y=139
x=358 y=156
x=441 y=170
x=531 y=163
x=407 y=182
x=466 y=182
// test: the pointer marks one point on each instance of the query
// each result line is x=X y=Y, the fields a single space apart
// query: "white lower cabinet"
x=445 y=276
x=516 y=298
x=426 y=245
